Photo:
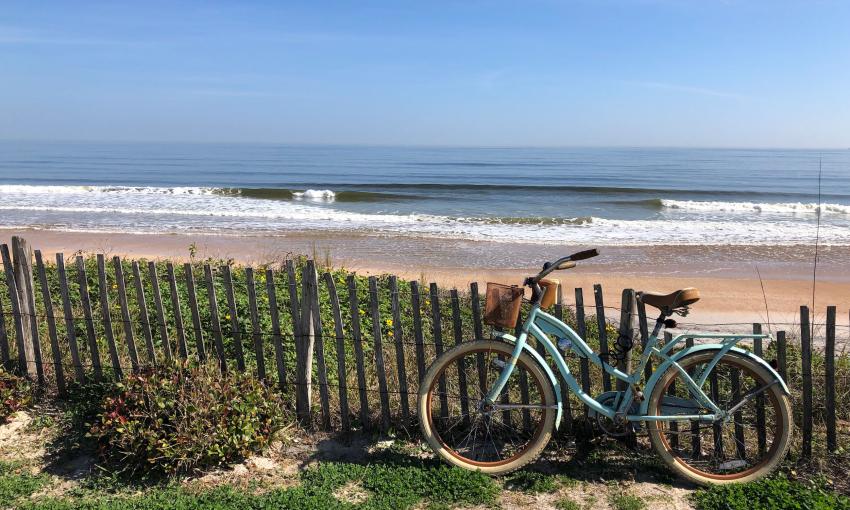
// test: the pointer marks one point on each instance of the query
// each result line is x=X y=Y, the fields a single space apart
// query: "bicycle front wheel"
x=745 y=447
x=465 y=432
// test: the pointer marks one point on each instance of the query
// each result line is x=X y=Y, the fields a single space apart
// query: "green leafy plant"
x=15 y=394
x=770 y=493
x=175 y=420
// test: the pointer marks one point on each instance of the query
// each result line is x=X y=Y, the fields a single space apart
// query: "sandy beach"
x=732 y=294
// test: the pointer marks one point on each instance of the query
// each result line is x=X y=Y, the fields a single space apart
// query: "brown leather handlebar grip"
x=586 y=254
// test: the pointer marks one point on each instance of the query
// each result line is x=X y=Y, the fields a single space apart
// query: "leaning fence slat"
x=22 y=263
x=478 y=329
x=523 y=382
x=437 y=322
x=11 y=284
x=740 y=442
x=565 y=391
x=143 y=312
x=51 y=324
x=162 y=321
x=178 y=314
x=581 y=324
x=674 y=425
x=829 y=353
x=806 y=357
x=85 y=301
x=417 y=329
x=379 y=353
x=603 y=334
x=303 y=345
x=125 y=313
x=761 y=430
x=457 y=327
x=235 y=332
x=321 y=366
x=626 y=334
x=215 y=322
x=70 y=327
x=277 y=339
x=398 y=334
x=106 y=317
x=696 y=440
x=255 y=323
x=357 y=340
x=193 y=308
x=340 y=352
x=4 y=339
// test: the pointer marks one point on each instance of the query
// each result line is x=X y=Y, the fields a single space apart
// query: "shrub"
x=15 y=394
x=769 y=493
x=174 y=420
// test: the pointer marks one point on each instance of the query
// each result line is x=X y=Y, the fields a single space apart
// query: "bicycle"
x=715 y=412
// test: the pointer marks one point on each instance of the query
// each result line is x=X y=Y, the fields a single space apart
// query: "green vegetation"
x=15 y=394
x=769 y=494
x=531 y=481
x=623 y=501
x=17 y=482
x=329 y=485
x=566 y=503
x=175 y=420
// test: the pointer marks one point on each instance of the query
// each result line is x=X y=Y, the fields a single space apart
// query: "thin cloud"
x=702 y=91
x=15 y=35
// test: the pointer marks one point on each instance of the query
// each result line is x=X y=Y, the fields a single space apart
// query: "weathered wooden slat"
x=303 y=344
x=717 y=430
x=437 y=321
x=256 y=333
x=806 y=355
x=603 y=334
x=379 y=352
x=22 y=260
x=457 y=328
x=193 y=308
x=85 y=302
x=644 y=337
x=14 y=299
x=215 y=321
x=782 y=355
x=47 y=300
x=178 y=313
x=357 y=340
x=829 y=379
x=144 y=319
x=740 y=443
x=674 y=426
x=125 y=313
x=626 y=334
x=235 y=333
x=162 y=319
x=342 y=372
x=318 y=330
x=696 y=440
x=5 y=360
x=565 y=391
x=418 y=336
x=398 y=337
x=478 y=329
x=523 y=383
x=106 y=317
x=277 y=339
x=761 y=430
x=581 y=324
x=70 y=327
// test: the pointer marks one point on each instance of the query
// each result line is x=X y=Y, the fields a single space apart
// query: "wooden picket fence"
x=365 y=378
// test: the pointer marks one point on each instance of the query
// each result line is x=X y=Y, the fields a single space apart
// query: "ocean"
x=580 y=196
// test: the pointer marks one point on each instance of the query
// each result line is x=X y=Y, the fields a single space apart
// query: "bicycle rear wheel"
x=747 y=446
x=493 y=439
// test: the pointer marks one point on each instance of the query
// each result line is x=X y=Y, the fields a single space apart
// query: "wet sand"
x=732 y=295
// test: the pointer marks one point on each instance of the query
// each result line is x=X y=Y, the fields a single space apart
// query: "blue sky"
x=518 y=73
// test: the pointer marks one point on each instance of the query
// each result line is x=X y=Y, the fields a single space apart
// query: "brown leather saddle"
x=677 y=301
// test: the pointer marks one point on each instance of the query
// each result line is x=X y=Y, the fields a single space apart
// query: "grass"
x=768 y=494
x=386 y=486
x=17 y=482
x=530 y=482
x=622 y=501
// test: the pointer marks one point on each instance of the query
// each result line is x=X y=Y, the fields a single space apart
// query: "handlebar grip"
x=586 y=254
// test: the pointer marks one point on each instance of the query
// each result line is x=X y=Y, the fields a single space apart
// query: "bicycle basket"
x=502 y=306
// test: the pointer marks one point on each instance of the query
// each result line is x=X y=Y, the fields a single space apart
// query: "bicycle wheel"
x=746 y=447
x=464 y=432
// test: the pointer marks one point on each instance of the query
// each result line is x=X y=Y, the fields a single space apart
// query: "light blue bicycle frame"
x=540 y=325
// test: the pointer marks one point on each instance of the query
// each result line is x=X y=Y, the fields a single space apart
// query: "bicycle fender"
x=662 y=368
x=546 y=369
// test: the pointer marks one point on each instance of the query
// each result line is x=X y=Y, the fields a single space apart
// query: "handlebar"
x=567 y=262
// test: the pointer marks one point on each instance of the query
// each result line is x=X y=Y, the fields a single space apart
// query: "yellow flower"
x=389 y=322
x=362 y=312
x=389 y=333
x=227 y=316
x=114 y=285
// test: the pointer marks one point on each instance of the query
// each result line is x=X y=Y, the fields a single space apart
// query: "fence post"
x=379 y=353
x=106 y=317
x=85 y=301
x=321 y=367
x=603 y=334
x=22 y=263
x=341 y=370
x=626 y=333
x=160 y=311
x=806 y=355
x=357 y=340
x=417 y=330
x=437 y=322
x=581 y=324
x=4 y=340
x=51 y=325
x=829 y=353
x=398 y=333
x=256 y=334
x=760 y=412
x=125 y=313
x=303 y=347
